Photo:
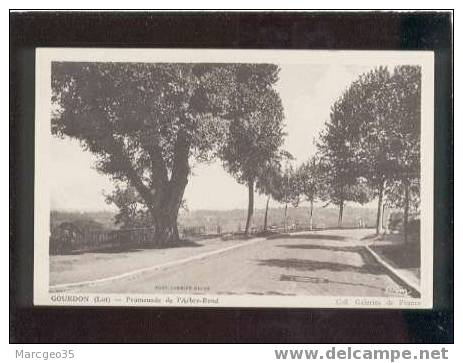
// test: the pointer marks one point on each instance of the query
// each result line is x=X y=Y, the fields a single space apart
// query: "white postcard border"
x=44 y=57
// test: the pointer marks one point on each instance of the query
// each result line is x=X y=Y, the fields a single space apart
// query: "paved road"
x=322 y=263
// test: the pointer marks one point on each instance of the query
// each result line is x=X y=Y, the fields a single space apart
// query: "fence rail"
x=66 y=240
x=71 y=240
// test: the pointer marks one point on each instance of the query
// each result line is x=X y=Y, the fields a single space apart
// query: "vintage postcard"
x=234 y=178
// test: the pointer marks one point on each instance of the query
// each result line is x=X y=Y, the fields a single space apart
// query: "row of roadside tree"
x=149 y=123
x=369 y=149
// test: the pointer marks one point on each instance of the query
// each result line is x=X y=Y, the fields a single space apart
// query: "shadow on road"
x=356 y=249
x=369 y=266
x=308 y=236
x=369 y=236
x=313 y=265
x=322 y=280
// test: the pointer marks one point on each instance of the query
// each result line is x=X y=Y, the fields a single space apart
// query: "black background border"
x=244 y=30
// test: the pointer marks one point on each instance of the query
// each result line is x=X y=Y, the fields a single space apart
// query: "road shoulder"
x=406 y=278
x=90 y=268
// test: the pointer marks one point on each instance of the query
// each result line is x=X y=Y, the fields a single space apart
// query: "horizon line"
x=209 y=209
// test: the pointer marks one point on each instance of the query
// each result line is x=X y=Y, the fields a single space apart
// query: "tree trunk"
x=166 y=212
x=250 y=206
x=341 y=210
x=406 y=209
x=169 y=196
x=384 y=215
x=175 y=233
x=266 y=213
x=379 y=214
x=311 y=215
x=166 y=219
x=164 y=231
x=286 y=214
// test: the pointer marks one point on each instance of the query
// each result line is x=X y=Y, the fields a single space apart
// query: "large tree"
x=338 y=151
x=269 y=180
x=387 y=110
x=372 y=141
x=286 y=191
x=310 y=183
x=267 y=184
x=255 y=132
x=373 y=113
x=405 y=140
x=143 y=122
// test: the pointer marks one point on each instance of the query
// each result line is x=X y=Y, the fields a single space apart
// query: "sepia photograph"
x=248 y=178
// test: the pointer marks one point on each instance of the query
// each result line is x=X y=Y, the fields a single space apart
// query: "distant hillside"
x=233 y=220
x=104 y=218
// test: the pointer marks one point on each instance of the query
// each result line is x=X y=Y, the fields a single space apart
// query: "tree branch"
x=130 y=172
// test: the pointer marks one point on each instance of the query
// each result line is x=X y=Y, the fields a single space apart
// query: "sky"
x=307 y=93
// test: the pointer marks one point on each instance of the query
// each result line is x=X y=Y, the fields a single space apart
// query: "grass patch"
x=400 y=255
